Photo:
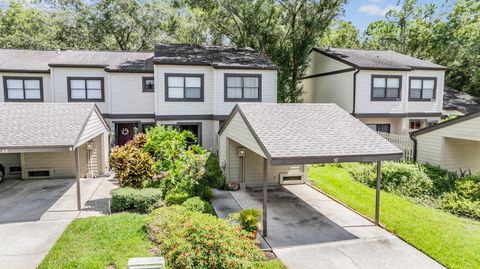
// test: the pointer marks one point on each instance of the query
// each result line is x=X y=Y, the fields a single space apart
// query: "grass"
x=271 y=264
x=98 y=242
x=451 y=240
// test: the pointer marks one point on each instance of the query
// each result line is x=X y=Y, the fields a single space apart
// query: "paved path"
x=34 y=213
x=307 y=229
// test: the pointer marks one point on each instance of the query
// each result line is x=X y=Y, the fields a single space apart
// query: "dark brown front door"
x=124 y=133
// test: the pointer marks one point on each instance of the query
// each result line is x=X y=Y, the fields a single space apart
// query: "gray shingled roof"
x=29 y=125
x=313 y=133
x=377 y=59
x=41 y=60
x=216 y=56
x=463 y=102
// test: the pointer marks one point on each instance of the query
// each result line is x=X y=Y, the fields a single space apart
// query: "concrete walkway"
x=307 y=229
x=34 y=213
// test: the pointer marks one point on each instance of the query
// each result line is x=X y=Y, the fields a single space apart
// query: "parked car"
x=2 y=172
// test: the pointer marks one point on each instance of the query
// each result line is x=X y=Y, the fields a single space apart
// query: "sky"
x=362 y=12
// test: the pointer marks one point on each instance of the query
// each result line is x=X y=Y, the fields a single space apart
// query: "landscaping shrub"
x=458 y=205
x=405 y=179
x=249 y=219
x=139 y=200
x=133 y=167
x=443 y=180
x=198 y=205
x=469 y=187
x=190 y=239
x=361 y=172
x=213 y=173
x=176 y=197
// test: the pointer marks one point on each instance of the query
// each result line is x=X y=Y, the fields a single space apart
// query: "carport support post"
x=377 y=194
x=265 y=201
x=77 y=177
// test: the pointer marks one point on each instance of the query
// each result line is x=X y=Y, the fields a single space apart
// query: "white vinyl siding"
x=127 y=95
x=336 y=89
x=62 y=164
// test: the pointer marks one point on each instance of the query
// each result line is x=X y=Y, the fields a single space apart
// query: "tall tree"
x=341 y=34
x=284 y=30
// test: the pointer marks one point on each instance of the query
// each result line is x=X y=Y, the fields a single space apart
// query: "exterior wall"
x=8 y=160
x=93 y=163
x=127 y=96
x=336 y=89
x=461 y=154
x=238 y=131
x=46 y=81
x=320 y=63
x=435 y=147
x=365 y=105
x=269 y=88
x=253 y=168
x=62 y=164
x=59 y=84
x=396 y=124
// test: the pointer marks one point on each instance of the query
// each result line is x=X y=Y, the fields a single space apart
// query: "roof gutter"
x=355 y=90
x=415 y=142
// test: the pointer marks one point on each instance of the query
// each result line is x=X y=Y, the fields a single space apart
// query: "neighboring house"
x=188 y=86
x=39 y=140
x=388 y=91
x=459 y=103
x=453 y=144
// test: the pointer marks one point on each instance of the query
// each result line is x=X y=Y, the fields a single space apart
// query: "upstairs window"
x=23 y=89
x=386 y=88
x=85 y=89
x=384 y=128
x=243 y=87
x=422 y=89
x=184 y=87
x=148 y=84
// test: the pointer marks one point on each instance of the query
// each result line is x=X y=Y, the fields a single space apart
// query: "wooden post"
x=265 y=197
x=377 y=194
x=77 y=177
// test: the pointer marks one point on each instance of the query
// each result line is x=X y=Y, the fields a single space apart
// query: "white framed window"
x=23 y=89
x=243 y=87
x=386 y=88
x=422 y=88
x=85 y=89
x=184 y=87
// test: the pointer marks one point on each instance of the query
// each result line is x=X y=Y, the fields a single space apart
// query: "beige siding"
x=93 y=162
x=451 y=147
x=93 y=127
x=128 y=96
x=253 y=168
x=337 y=89
x=320 y=63
x=60 y=90
x=8 y=160
x=62 y=164
x=47 y=89
x=238 y=131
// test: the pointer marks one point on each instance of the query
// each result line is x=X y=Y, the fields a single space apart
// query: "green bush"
x=133 y=167
x=458 y=205
x=249 y=219
x=406 y=179
x=190 y=239
x=213 y=173
x=198 y=205
x=469 y=187
x=139 y=200
x=443 y=180
x=361 y=172
x=176 y=197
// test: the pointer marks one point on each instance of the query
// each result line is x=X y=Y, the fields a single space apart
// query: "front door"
x=125 y=133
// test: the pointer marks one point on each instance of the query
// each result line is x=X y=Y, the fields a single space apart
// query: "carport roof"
x=29 y=126
x=312 y=133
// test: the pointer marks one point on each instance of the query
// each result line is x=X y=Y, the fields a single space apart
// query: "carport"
x=299 y=134
x=54 y=140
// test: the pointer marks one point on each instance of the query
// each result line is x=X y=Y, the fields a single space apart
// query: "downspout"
x=414 y=139
x=354 y=90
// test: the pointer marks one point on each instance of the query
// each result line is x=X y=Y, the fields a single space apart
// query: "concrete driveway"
x=34 y=213
x=307 y=229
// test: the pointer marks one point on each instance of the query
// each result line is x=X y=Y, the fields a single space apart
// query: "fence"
x=403 y=142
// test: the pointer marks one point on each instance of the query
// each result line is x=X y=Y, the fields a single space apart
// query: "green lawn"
x=98 y=242
x=452 y=241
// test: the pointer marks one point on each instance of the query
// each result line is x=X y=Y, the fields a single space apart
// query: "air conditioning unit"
x=294 y=176
x=146 y=263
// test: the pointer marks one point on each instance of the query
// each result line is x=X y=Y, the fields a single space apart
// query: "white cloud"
x=376 y=1
x=376 y=10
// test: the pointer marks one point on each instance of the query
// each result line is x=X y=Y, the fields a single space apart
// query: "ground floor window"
x=417 y=124
x=384 y=128
x=194 y=127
